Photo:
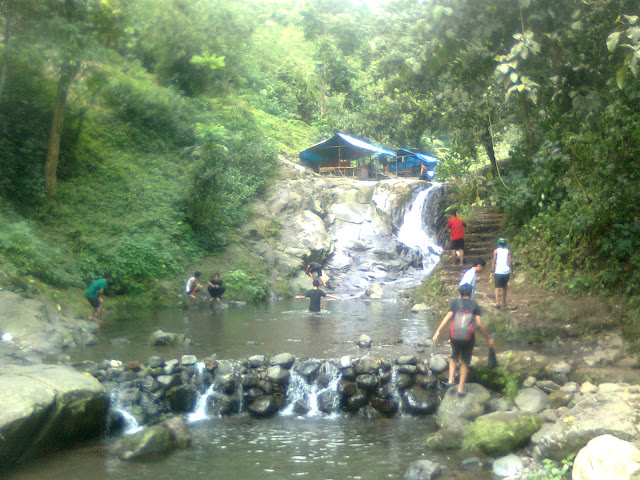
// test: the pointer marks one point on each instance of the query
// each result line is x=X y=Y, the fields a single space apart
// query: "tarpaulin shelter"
x=411 y=161
x=342 y=153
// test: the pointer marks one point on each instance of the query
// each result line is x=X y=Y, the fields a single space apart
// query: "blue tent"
x=340 y=147
x=410 y=159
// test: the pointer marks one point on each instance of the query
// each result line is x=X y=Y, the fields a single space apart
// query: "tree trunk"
x=487 y=143
x=5 y=67
x=53 y=149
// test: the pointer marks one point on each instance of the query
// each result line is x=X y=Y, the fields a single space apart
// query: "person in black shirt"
x=461 y=349
x=314 y=295
x=216 y=288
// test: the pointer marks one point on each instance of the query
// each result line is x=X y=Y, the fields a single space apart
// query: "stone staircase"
x=484 y=227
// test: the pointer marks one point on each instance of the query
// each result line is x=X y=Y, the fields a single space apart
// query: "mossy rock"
x=501 y=432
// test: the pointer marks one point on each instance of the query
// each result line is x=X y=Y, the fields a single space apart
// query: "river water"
x=315 y=446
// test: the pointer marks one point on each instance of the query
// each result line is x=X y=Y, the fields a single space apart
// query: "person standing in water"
x=94 y=296
x=501 y=265
x=314 y=295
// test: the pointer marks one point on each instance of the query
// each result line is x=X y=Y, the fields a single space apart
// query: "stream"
x=313 y=446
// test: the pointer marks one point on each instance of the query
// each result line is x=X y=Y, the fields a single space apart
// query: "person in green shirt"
x=94 y=295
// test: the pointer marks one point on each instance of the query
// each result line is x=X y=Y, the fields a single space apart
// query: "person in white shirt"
x=469 y=277
x=501 y=270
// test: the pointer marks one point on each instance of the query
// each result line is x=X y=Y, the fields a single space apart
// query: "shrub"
x=248 y=287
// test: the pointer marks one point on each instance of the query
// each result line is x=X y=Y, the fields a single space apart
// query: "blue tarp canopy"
x=341 y=147
x=410 y=158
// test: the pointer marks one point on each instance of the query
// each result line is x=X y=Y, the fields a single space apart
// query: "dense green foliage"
x=174 y=112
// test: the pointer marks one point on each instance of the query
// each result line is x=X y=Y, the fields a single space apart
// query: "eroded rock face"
x=47 y=407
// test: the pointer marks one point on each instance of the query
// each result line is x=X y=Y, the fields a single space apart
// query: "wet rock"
x=368 y=413
x=284 y=360
x=422 y=470
x=560 y=399
x=407 y=369
x=221 y=404
x=161 y=338
x=438 y=364
x=420 y=307
x=455 y=411
x=386 y=406
x=264 y=406
x=188 y=360
x=225 y=384
x=364 y=341
x=249 y=380
x=404 y=381
x=170 y=366
x=182 y=398
x=347 y=388
x=510 y=466
x=168 y=381
x=210 y=364
x=419 y=402
x=472 y=463
x=356 y=401
x=368 y=365
x=345 y=362
x=502 y=432
x=607 y=457
x=149 y=441
x=367 y=381
x=256 y=361
x=407 y=360
x=179 y=433
x=328 y=401
x=531 y=400
x=278 y=374
x=45 y=408
x=308 y=369
x=445 y=440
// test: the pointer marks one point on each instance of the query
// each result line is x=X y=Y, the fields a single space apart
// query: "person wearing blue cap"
x=501 y=265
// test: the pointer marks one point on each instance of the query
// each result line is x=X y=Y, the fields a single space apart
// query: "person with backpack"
x=464 y=315
x=500 y=270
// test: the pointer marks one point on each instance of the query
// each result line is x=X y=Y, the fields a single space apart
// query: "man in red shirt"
x=456 y=226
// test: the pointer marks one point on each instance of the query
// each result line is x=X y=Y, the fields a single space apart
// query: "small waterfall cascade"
x=414 y=235
x=200 y=410
x=302 y=395
x=130 y=424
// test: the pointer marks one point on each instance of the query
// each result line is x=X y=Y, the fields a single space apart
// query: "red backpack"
x=463 y=325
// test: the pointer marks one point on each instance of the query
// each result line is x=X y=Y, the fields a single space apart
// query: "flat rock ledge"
x=45 y=408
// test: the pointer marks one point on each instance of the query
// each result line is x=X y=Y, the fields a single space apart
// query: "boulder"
x=264 y=406
x=510 y=466
x=160 y=338
x=531 y=400
x=418 y=401
x=284 y=360
x=445 y=439
x=590 y=417
x=607 y=457
x=455 y=411
x=422 y=470
x=154 y=440
x=278 y=374
x=438 y=363
x=501 y=432
x=45 y=408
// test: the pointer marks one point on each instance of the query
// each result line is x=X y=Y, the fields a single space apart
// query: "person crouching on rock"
x=94 y=296
x=314 y=295
x=314 y=268
x=464 y=314
x=192 y=287
x=216 y=288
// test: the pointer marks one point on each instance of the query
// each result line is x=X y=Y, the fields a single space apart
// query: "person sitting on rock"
x=465 y=313
x=192 y=287
x=216 y=288
x=314 y=295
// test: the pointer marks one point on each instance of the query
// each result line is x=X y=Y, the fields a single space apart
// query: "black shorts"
x=462 y=349
x=501 y=280
x=457 y=244
x=95 y=302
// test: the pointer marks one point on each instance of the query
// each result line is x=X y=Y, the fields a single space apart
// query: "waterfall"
x=413 y=234
x=200 y=410
x=130 y=424
x=300 y=391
